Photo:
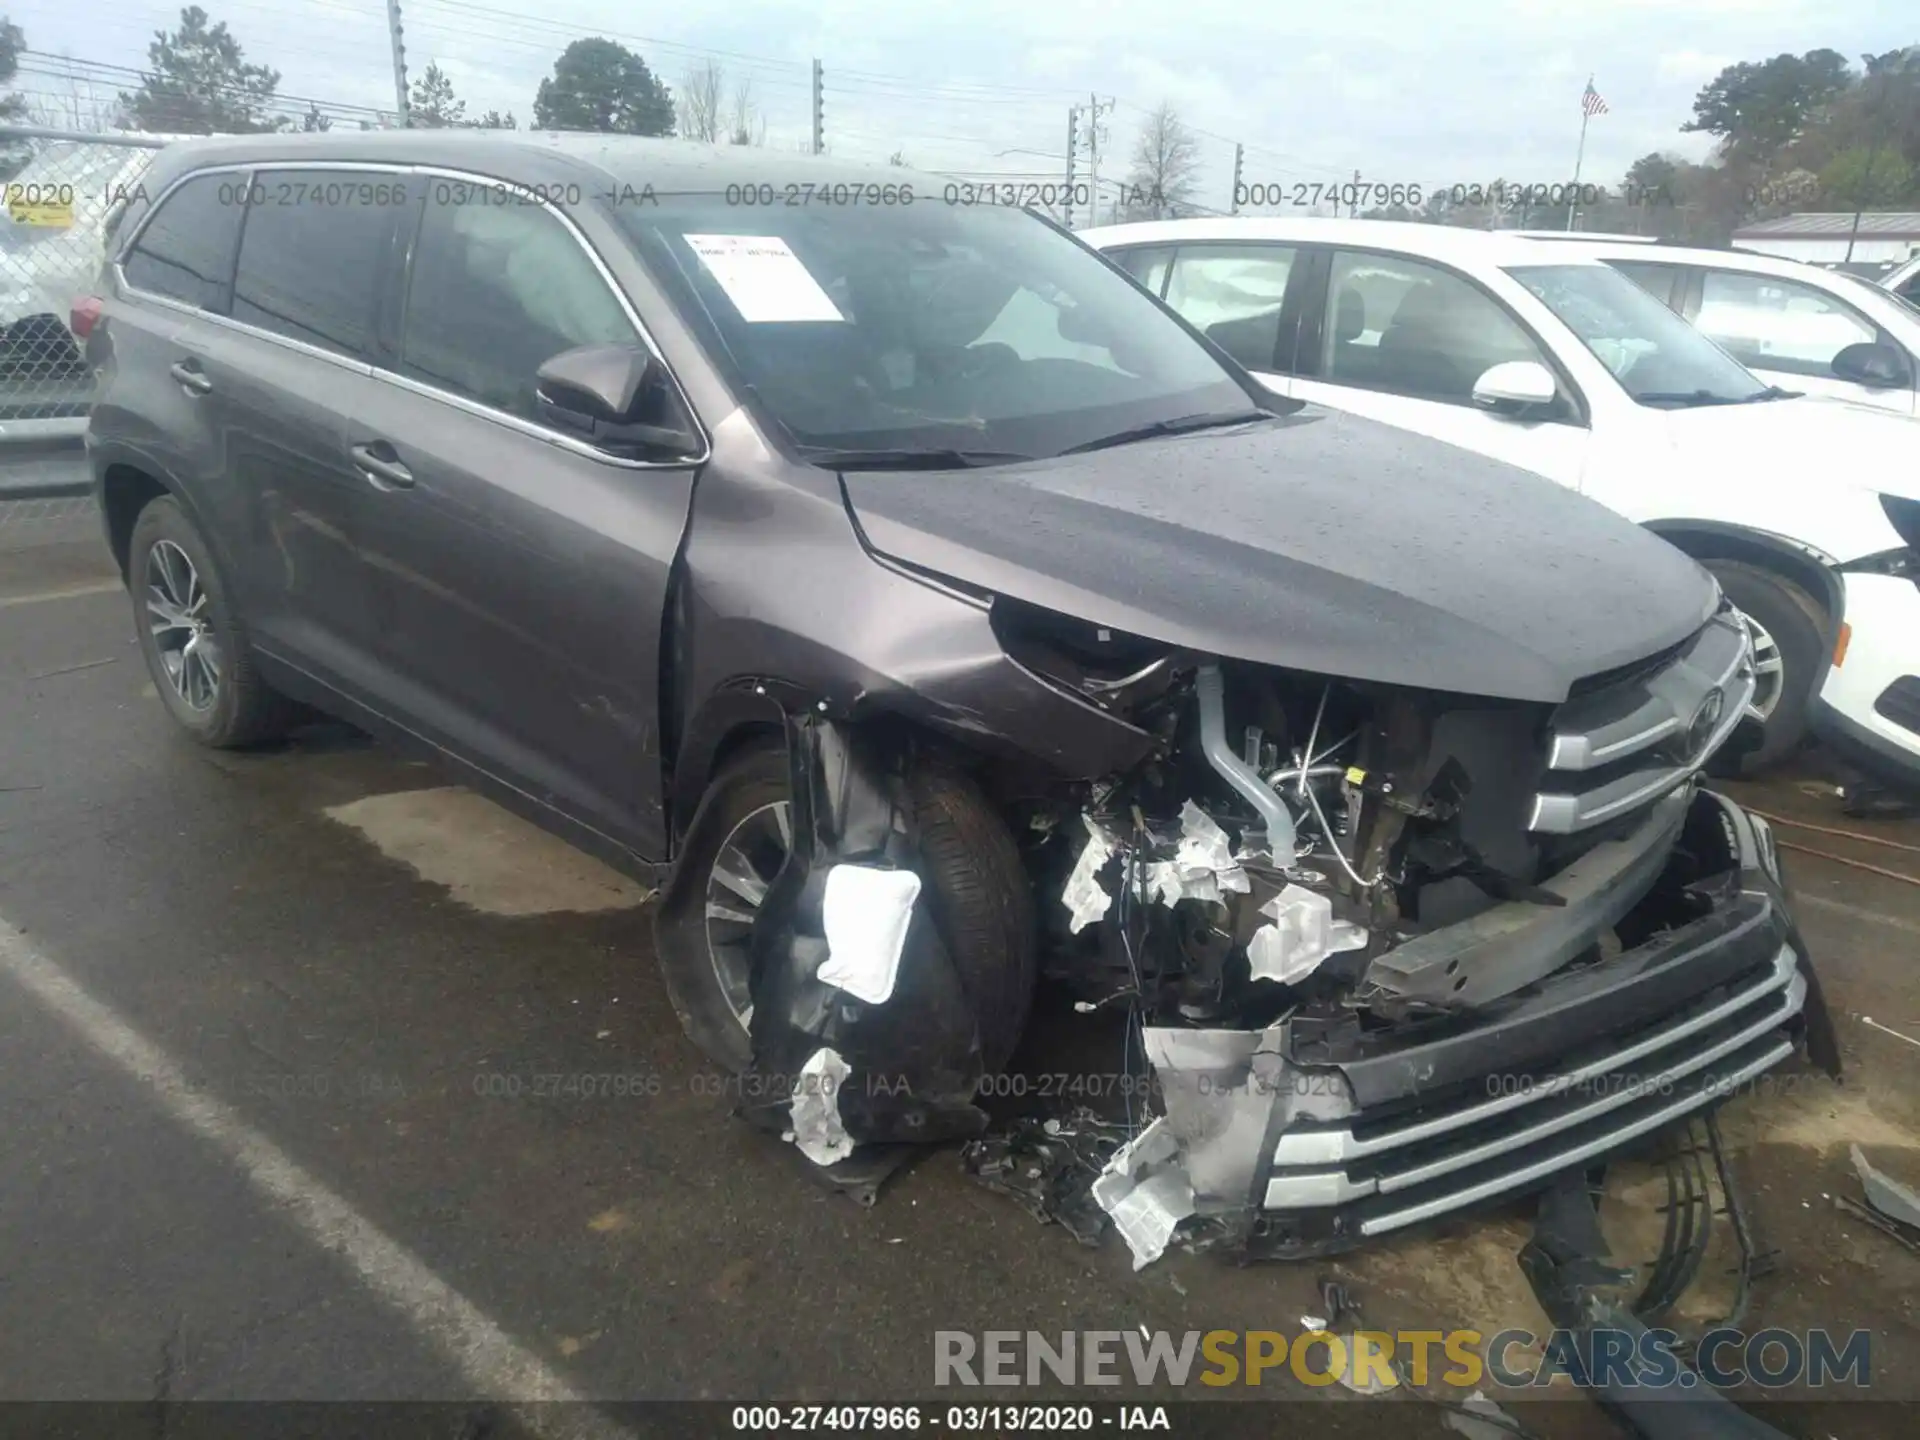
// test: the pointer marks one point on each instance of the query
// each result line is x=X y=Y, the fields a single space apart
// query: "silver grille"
x=1511 y=1135
x=1625 y=745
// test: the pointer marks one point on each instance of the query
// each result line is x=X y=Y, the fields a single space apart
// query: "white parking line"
x=70 y=592
x=489 y=1360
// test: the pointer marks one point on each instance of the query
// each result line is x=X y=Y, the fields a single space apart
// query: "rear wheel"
x=191 y=636
x=1787 y=628
x=976 y=891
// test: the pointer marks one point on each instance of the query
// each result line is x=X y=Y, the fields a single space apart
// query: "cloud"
x=1398 y=89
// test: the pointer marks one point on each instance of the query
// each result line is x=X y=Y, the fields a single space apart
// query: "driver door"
x=1403 y=341
x=527 y=571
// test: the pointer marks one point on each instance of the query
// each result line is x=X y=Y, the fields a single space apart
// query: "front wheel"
x=975 y=885
x=1787 y=646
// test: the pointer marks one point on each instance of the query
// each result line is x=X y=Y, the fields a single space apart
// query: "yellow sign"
x=49 y=206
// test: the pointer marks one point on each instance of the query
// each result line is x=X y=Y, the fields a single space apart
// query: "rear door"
x=177 y=279
x=1236 y=294
x=283 y=380
x=528 y=571
x=1403 y=341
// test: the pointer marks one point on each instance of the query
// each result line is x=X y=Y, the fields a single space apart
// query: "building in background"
x=1884 y=238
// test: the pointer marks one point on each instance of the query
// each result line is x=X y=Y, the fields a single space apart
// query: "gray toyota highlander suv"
x=925 y=608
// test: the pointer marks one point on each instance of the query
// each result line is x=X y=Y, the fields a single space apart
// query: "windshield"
x=1655 y=355
x=927 y=326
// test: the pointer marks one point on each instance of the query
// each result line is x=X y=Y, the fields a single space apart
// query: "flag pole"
x=1573 y=202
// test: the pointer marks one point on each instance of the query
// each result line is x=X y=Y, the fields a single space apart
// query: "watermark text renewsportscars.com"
x=1368 y=1359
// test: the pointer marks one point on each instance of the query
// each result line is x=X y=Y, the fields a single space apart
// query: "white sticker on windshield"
x=764 y=278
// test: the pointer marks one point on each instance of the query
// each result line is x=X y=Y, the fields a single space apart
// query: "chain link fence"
x=52 y=244
x=54 y=215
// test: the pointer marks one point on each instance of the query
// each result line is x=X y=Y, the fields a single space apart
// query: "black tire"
x=244 y=709
x=976 y=890
x=1797 y=625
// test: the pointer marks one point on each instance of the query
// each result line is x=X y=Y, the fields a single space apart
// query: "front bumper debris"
x=1565 y=1262
x=1303 y=1139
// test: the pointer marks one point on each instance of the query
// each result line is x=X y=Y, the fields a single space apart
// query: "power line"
x=33 y=63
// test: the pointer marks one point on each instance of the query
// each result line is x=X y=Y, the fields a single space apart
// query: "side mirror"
x=616 y=396
x=1514 y=387
x=1879 y=367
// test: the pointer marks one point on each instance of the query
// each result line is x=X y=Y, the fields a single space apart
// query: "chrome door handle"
x=190 y=376
x=381 y=466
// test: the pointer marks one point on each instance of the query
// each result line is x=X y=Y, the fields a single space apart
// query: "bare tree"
x=746 y=125
x=699 y=103
x=1166 y=168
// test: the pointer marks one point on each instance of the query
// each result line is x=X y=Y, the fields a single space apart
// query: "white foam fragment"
x=1302 y=935
x=1202 y=868
x=865 y=913
x=1082 y=894
x=1146 y=1191
x=816 y=1108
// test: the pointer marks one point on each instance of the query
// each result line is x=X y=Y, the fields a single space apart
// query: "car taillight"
x=84 y=315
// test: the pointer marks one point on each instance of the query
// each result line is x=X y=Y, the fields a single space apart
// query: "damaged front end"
x=1388 y=952
x=1396 y=953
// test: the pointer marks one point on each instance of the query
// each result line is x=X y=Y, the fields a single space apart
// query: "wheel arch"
x=1709 y=540
x=126 y=490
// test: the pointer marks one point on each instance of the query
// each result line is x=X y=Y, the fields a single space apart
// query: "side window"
x=1233 y=294
x=1663 y=282
x=1147 y=264
x=1415 y=329
x=311 y=254
x=1771 y=324
x=186 y=251
x=496 y=291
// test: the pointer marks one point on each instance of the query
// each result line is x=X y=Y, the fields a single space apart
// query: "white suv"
x=1808 y=511
x=1796 y=325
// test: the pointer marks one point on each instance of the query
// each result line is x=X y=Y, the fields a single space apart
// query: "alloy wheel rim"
x=745 y=865
x=1769 y=670
x=189 y=650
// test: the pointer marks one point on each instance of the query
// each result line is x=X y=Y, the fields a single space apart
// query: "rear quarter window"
x=185 y=252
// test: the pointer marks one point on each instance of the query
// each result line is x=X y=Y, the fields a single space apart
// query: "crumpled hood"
x=1317 y=542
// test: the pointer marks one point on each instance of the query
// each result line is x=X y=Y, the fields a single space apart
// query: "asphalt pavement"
x=279 y=1039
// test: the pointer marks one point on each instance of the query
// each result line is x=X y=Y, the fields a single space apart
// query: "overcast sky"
x=1402 y=90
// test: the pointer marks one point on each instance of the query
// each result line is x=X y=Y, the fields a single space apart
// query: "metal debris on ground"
x=1049 y=1167
x=1478 y=1418
x=1898 y=1233
x=1897 y=1202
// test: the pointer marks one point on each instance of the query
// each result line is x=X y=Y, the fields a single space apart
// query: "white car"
x=1807 y=510
x=1904 y=281
x=1796 y=325
x=53 y=225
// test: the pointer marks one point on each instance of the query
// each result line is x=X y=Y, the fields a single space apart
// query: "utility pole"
x=1096 y=107
x=1073 y=144
x=399 y=63
x=1866 y=189
x=1239 y=154
x=1353 y=198
x=819 y=112
x=1579 y=156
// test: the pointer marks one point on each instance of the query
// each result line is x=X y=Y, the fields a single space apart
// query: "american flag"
x=1590 y=103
